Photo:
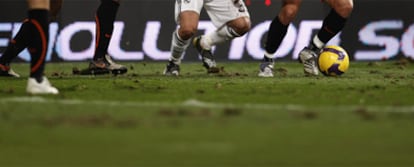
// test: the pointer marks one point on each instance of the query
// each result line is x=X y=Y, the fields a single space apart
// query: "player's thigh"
x=222 y=12
x=38 y=4
x=187 y=15
x=185 y=6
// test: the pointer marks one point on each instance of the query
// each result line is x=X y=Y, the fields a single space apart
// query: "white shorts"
x=219 y=11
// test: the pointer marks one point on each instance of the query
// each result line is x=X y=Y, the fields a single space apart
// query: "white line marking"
x=197 y=103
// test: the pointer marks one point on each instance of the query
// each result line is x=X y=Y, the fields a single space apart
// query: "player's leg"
x=105 y=17
x=39 y=35
x=15 y=46
x=232 y=20
x=333 y=23
x=20 y=42
x=55 y=7
x=187 y=16
x=277 y=32
x=233 y=29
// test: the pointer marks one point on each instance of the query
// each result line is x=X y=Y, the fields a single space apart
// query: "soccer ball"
x=333 y=61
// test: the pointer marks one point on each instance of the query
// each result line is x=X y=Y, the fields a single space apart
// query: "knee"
x=186 y=32
x=344 y=9
x=241 y=25
x=288 y=13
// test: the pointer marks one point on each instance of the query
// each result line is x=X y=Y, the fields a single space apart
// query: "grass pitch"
x=363 y=118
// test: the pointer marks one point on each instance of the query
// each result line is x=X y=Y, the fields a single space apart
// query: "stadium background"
x=378 y=29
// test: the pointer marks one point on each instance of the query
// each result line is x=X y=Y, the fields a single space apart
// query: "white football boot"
x=6 y=71
x=33 y=87
x=308 y=58
x=13 y=74
x=207 y=56
x=172 y=69
x=114 y=67
x=106 y=65
x=266 y=69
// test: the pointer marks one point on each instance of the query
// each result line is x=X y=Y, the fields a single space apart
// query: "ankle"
x=39 y=79
x=267 y=59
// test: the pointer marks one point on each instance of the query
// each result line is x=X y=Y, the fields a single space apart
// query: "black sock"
x=277 y=31
x=332 y=25
x=39 y=44
x=105 y=17
x=16 y=45
x=267 y=59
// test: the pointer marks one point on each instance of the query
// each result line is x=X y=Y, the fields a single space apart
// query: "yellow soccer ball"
x=333 y=61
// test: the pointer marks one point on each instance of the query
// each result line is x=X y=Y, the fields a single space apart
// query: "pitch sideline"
x=201 y=104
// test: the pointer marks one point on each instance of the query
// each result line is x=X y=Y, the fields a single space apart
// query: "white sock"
x=317 y=42
x=219 y=36
x=178 y=46
x=268 y=55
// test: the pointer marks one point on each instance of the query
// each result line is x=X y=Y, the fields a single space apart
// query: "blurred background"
x=377 y=30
